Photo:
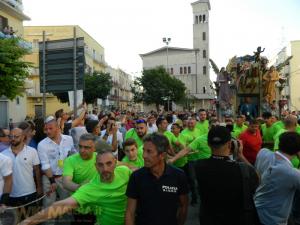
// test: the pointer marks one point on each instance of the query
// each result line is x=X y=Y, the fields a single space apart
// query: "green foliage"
x=13 y=70
x=155 y=86
x=97 y=85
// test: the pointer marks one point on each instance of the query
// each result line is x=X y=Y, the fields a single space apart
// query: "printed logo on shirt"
x=169 y=189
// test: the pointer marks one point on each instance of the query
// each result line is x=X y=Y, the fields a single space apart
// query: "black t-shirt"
x=220 y=184
x=157 y=199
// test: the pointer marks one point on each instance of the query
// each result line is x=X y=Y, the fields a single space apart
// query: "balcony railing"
x=16 y=4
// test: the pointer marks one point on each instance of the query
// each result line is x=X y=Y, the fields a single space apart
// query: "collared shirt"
x=279 y=182
x=3 y=146
x=52 y=155
x=157 y=198
x=23 y=162
x=153 y=128
x=5 y=170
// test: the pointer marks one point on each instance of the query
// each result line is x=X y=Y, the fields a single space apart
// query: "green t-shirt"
x=278 y=126
x=295 y=161
x=139 y=162
x=81 y=170
x=200 y=146
x=132 y=134
x=203 y=126
x=195 y=133
x=182 y=161
x=108 y=199
x=267 y=133
x=238 y=130
x=171 y=137
x=276 y=138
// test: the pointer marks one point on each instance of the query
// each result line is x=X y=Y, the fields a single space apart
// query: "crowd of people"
x=114 y=168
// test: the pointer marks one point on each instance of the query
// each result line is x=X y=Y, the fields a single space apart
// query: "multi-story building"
x=191 y=66
x=291 y=72
x=120 y=94
x=12 y=16
x=94 y=57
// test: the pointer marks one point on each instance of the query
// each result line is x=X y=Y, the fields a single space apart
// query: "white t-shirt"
x=52 y=155
x=5 y=170
x=110 y=139
x=23 y=182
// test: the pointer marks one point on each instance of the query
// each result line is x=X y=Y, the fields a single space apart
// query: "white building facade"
x=291 y=72
x=191 y=66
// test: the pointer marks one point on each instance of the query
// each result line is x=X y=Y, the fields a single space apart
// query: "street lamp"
x=167 y=41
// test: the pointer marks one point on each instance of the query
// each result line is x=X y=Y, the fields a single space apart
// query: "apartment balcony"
x=15 y=4
x=14 y=8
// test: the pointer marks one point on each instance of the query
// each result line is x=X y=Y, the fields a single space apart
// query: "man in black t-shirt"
x=225 y=200
x=157 y=193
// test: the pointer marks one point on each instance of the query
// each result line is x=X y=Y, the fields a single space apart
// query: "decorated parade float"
x=249 y=86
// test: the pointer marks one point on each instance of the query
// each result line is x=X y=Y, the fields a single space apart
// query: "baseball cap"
x=218 y=135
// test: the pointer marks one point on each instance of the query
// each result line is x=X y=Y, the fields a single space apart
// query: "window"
x=18 y=101
x=35 y=44
x=196 y=19
x=203 y=36
x=180 y=70
x=200 y=19
x=204 y=70
x=204 y=90
x=204 y=19
x=189 y=70
x=204 y=53
x=184 y=70
x=94 y=54
x=3 y=23
x=172 y=71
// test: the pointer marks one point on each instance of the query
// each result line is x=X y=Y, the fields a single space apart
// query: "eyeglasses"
x=14 y=136
x=84 y=146
x=140 y=121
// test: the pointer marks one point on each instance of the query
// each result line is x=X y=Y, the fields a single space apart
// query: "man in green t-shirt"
x=162 y=125
x=191 y=131
x=133 y=155
x=105 y=193
x=267 y=130
x=138 y=133
x=203 y=123
x=290 y=125
x=238 y=127
x=78 y=170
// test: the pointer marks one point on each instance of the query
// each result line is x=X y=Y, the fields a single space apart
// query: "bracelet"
x=52 y=180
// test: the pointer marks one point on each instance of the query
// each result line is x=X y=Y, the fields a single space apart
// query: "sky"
x=128 y=28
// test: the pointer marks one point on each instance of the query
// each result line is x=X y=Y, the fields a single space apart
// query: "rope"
x=21 y=206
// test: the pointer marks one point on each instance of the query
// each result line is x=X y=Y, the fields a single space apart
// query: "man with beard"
x=25 y=163
x=138 y=132
x=105 y=193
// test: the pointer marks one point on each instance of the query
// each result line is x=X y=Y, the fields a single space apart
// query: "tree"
x=156 y=86
x=13 y=70
x=97 y=85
